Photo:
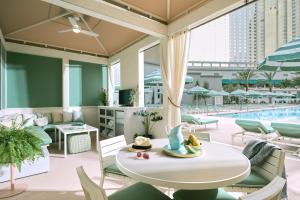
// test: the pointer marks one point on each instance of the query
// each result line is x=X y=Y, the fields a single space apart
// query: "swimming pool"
x=291 y=114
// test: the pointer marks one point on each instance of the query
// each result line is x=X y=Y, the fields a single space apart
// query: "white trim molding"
x=27 y=49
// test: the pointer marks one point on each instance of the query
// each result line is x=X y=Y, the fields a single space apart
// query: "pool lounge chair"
x=288 y=134
x=253 y=128
x=198 y=121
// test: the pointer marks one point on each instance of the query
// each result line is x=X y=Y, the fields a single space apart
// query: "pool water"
x=291 y=114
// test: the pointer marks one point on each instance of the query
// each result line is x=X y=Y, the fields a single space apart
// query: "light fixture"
x=76 y=29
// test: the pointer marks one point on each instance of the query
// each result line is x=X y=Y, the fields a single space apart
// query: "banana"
x=194 y=141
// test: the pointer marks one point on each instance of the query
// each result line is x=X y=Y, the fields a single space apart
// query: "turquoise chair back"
x=253 y=126
x=287 y=130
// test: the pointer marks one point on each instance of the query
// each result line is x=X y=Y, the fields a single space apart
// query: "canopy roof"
x=37 y=23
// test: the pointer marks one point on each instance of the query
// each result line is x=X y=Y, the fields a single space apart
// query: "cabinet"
x=114 y=121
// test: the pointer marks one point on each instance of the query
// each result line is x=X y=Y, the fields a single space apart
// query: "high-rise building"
x=260 y=28
x=242 y=29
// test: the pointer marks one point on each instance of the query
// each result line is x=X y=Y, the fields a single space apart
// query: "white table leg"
x=59 y=140
x=65 y=145
x=55 y=132
x=97 y=139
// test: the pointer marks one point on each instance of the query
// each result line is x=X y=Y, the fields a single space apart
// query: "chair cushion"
x=214 y=194
x=113 y=169
x=139 y=191
x=253 y=180
x=40 y=133
x=254 y=126
x=287 y=130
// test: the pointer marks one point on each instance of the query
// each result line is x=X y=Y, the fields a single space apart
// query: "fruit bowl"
x=182 y=152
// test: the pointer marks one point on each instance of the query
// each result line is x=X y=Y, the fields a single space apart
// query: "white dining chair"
x=108 y=149
x=261 y=175
x=272 y=191
x=137 y=191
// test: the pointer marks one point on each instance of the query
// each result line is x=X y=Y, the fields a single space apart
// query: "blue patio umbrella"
x=240 y=94
x=198 y=90
x=154 y=78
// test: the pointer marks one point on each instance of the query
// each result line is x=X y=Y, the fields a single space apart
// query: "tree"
x=245 y=76
x=204 y=96
x=296 y=79
x=287 y=83
x=269 y=77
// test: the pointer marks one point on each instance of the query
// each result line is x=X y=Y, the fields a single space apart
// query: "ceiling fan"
x=76 y=28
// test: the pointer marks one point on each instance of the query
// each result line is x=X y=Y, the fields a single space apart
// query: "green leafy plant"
x=134 y=95
x=18 y=145
x=103 y=97
x=245 y=76
x=148 y=120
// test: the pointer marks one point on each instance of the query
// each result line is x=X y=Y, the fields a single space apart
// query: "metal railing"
x=222 y=65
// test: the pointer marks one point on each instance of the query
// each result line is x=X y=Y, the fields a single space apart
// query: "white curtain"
x=173 y=55
x=111 y=86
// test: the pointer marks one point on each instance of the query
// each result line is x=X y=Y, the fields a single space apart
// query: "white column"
x=66 y=92
x=141 y=79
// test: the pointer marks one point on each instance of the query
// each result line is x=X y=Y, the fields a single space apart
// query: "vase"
x=175 y=138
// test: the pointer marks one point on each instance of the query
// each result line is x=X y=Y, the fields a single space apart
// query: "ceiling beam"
x=96 y=38
x=111 y=13
x=208 y=11
x=39 y=23
x=168 y=9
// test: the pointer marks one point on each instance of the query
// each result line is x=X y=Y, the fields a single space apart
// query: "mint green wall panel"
x=86 y=80
x=105 y=76
x=33 y=81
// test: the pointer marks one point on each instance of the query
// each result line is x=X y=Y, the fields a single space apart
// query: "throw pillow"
x=68 y=117
x=57 y=117
x=42 y=121
x=28 y=120
x=49 y=116
x=78 y=116
x=6 y=123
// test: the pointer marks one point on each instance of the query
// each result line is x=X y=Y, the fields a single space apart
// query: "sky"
x=213 y=38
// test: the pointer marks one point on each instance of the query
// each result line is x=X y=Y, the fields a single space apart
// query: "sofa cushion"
x=78 y=116
x=68 y=116
x=40 y=133
x=43 y=121
x=57 y=117
x=28 y=119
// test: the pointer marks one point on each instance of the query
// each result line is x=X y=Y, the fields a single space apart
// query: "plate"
x=137 y=150
x=180 y=153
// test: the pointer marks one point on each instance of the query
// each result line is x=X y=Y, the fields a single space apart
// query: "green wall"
x=33 y=81
x=86 y=80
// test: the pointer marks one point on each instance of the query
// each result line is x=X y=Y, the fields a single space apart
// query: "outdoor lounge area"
x=149 y=100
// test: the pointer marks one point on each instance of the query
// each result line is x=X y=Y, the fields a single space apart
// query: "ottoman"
x=79 y=143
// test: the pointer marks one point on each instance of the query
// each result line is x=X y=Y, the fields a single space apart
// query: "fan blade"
x=73 y=21
x=66 y=30
x=89 y=33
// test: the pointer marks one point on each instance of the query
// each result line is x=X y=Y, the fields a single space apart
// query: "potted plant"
x=133 y=96
x=16 y=146
x=103 y=97
x=148 y=120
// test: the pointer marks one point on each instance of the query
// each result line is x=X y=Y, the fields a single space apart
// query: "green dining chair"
x=271 y=191
x=137 y=191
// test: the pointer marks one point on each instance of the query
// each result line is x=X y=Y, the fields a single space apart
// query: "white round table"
x=218 y=166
